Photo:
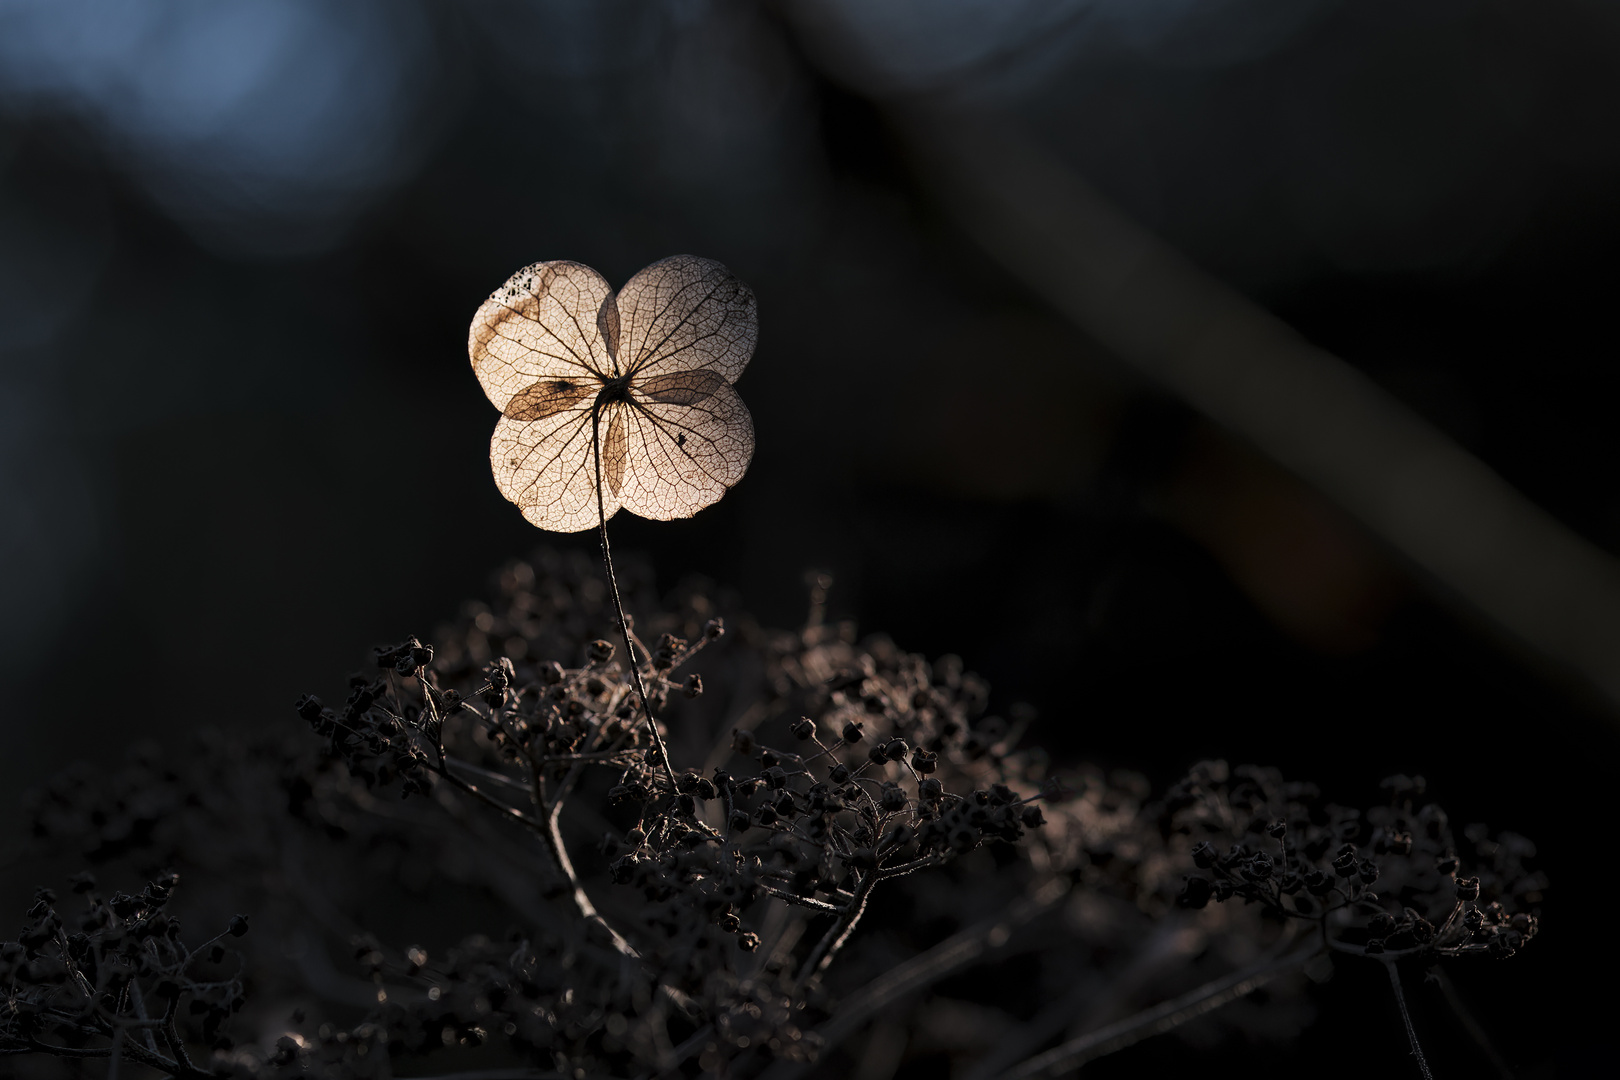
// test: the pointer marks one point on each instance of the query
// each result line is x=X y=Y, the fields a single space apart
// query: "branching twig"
x=923 y=970
x=838 y=932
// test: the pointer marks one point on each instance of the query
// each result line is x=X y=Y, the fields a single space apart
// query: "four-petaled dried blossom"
x=641 y=377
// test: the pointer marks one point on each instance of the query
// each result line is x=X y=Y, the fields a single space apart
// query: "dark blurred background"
x=239 y=440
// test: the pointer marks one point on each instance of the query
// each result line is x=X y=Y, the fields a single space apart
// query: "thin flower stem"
x=1406 y=1018
x=549 y=829
x=1159 y=1019
x=514 y=1073
x=1471 y=1025
x=966 y=947
x=678 y=1056
x=839 y=931
x=510 y=813
x=618 y=604
x=559 y=853
x=801 y=901
x=140 y=1011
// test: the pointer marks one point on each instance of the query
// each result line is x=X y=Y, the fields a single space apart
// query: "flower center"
x=614 y=390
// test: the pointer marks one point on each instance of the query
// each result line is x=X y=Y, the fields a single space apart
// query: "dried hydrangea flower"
x=634 y=386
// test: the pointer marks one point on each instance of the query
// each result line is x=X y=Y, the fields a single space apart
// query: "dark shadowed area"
x=240 y=442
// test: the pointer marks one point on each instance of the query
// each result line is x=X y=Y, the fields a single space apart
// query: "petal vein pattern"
x=548 y=398
x=542 y=324
x=686 y=314
x=682 y=458
x=545 y=467
x=614 y=448
x=647 y=370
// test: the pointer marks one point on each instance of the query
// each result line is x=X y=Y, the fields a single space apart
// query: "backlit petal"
x=542 y=324
x=686 y=314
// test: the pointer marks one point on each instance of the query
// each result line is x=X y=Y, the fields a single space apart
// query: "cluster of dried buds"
x=119 y=972
x=1391 y=881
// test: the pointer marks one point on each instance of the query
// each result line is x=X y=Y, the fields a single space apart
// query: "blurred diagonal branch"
x=1465 y=528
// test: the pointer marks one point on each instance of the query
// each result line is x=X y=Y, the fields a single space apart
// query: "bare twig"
x=1159 y=1019
x=559 y=852
x=508 y=813
x=548 y=829
x=839 y=931
x=1466 y=1018
x=923 y=970
x=1406 y=1018
x=502 y=1074
x=1172 y=942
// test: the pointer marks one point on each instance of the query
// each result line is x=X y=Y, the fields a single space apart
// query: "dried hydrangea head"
x=646 y=372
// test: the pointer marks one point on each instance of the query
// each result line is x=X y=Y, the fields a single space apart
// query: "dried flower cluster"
x=109 y=980
x=1392 y=881
x=838 y=828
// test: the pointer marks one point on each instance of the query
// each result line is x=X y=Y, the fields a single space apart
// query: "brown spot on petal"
x=548 y=398
x=615 y=449
x=607 y=323
x=491 y=317
x=680 y=387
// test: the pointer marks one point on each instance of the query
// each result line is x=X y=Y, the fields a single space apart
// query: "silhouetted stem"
x=1159 y=1019
x=176 y=1046
x=503 y=1074
x=921 y=971
x=618 y=604
x=548 y=828
x=839 y=931
x=1406 y=1018
x=1472 y=1025
x=559 y=853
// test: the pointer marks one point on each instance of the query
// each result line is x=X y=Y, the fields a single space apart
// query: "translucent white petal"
x=545 y=467
x=686 y=314
x=542 y=324
x=689 y=438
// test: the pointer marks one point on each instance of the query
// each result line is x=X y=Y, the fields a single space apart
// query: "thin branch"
x=488 y=775
x=35 y=1046
x=1172 y=941
x=172 y=1037
x=507 y=812
x=921 y=863
x=1161 y=1018
x=618 y=604
x=677 y=1057
x=838 y=932
x=559 y=852
x=801 y=901
x=1406 y=1018
x=1466 y=1018
x=500 y=1074
x=923 y=970
x=549 y=830
x=140 y=1011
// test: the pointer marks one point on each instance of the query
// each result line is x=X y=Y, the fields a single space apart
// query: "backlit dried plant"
x=617 y=399
x=848 y=828
x=683 y=899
